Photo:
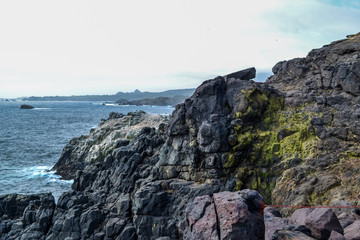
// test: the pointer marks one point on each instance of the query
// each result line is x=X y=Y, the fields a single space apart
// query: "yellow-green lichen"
x=270 y=135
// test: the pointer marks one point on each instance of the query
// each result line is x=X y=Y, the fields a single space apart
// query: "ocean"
x=31 y=141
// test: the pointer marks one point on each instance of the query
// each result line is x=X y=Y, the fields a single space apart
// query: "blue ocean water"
x=31 y=141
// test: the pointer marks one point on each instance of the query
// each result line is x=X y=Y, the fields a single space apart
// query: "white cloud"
x=110 y=46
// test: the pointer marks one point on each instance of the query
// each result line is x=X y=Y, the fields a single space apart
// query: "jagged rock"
x=321 y=222
x=36 y=217
x=13 y=205
x=112 y=133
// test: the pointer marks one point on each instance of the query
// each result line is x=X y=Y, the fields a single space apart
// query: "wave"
x=43 y=172
x=41 y=108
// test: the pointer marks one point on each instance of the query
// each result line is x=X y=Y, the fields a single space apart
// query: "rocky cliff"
x=294 y=139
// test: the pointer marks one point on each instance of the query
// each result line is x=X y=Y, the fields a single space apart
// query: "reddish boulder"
x=321 y=221
x=239 y=216
x=229 y=215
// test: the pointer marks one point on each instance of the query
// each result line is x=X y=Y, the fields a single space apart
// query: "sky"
x=78 y=47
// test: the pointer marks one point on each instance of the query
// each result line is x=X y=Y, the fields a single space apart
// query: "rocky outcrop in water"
x=294 y=139
x=25 y=106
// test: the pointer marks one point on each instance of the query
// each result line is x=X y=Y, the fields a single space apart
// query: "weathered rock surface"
x=294 y=139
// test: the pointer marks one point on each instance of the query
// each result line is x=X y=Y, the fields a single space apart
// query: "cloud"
x=148 y=44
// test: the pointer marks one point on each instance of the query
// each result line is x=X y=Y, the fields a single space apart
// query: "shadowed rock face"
x=294 y=139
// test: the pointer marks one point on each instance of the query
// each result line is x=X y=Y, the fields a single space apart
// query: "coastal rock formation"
x=294 y=139
x=118 y=130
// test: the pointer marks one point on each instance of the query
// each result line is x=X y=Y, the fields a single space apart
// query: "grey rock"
x=352 y=232
x=336 y=236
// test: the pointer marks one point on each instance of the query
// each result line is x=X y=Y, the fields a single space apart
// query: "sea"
x=31 y=140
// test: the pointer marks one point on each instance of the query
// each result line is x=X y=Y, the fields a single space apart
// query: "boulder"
x=245 y=74
x=321 y=222
x=352 y=232
x=336 y=236
x=229 y=215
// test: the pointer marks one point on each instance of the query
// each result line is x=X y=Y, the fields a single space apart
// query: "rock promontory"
x=294 y=139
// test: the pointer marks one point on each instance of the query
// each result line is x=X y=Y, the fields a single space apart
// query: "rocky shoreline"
x=294 y=139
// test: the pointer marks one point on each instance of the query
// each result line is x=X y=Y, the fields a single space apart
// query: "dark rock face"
x=25 y=106
x=294 y=139
x=36 y=211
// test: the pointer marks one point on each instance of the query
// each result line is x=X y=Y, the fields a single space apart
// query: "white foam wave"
x=43 y=172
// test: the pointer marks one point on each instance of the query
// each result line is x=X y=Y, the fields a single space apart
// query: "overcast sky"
x=76 y=47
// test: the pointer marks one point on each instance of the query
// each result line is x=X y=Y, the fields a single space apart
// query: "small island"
x=25 y=106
